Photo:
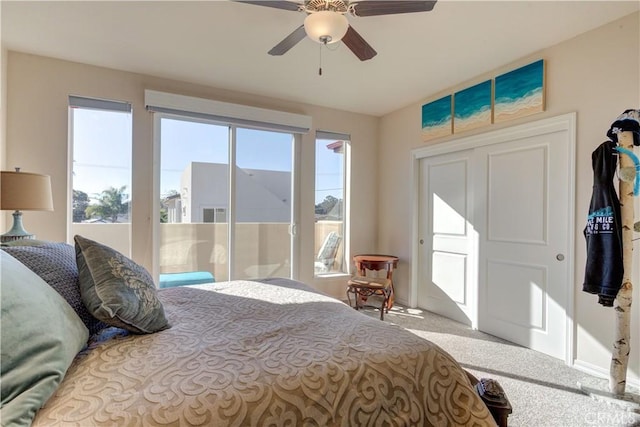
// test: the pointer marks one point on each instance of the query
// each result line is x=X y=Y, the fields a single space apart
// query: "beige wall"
x=3 y=107
x=3 y=111
x=3 y=122
x=3 y=119
x=596 y=75
x=38 y=90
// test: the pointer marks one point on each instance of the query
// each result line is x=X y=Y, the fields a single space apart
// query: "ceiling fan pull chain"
x=320 y=67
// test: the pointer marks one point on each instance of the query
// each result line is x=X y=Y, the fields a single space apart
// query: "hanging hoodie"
x=603 y=233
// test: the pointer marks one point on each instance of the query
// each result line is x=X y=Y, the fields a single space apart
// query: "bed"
x=255 y=353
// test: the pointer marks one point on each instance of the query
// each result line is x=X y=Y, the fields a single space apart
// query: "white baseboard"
x=402 y=302
x=597 y=371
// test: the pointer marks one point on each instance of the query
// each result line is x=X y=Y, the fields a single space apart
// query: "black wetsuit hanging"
x=604 y=269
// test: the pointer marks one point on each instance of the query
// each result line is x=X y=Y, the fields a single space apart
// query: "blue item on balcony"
x=170 y=280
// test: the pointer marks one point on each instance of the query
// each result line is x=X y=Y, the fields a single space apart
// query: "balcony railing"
x=261 y=249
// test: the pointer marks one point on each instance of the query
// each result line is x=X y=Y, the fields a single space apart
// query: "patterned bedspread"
x=274 y=353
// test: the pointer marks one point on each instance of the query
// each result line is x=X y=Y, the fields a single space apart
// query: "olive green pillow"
x=41 y=335
x=116 y=290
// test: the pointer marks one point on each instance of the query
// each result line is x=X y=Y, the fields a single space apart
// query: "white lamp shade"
x=326 y=26
x=24 y=191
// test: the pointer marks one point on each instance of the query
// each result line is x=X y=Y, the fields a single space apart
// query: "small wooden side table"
x=362 y=286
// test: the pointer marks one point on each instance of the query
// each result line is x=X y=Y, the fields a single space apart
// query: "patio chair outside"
x=327 y=254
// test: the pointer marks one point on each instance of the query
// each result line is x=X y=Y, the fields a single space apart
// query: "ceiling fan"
x=326 y=22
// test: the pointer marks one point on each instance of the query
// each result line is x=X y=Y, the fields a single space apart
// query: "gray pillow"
x=116 y=290
x=55 y=263
x=41 y=334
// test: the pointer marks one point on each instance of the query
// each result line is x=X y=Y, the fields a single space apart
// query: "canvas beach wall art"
x=517 y=93
x=520 y=92
x=472 y=107
x=437 y=118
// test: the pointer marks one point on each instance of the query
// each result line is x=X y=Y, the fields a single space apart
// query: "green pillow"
x=55 y=263
x=41 y=334
x=116 y=290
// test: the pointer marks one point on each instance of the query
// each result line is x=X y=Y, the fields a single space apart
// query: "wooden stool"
x=363 y=287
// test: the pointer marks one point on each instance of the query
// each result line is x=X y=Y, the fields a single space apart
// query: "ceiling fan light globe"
x=326 y=26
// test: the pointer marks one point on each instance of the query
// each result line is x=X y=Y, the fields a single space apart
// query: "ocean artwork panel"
x=437 y=118
x=519 y=93
x=472 y=107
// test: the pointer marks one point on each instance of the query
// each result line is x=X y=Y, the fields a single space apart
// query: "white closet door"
x=447 y=251
x=495 y=232
x=521 y=198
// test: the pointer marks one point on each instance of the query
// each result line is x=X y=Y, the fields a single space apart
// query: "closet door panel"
x=447 y=256
x=523 y=273
x=516 y=202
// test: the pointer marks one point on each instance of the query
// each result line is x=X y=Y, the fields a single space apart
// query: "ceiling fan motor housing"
x=339 y=6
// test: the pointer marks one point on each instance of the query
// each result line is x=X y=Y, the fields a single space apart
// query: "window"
x=100 y=149
x=214 y=215
x=332 y=152
x=194 y=178
x=263 y=214
x=235 y=220
x=239 y=158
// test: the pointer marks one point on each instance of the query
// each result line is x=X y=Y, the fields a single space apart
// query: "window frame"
x=346 y=197
x=76 y=102
x=203 y=118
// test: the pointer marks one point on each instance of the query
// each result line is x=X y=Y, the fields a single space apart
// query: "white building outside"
x=261 y=195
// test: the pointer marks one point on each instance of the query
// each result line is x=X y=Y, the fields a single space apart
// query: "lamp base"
x=7 y=238
x=17 y=231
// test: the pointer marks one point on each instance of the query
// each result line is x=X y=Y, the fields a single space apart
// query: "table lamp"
x=22 y=191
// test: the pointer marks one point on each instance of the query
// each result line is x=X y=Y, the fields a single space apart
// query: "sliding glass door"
x=263 y=190
x=231 y=221
x=194 y=197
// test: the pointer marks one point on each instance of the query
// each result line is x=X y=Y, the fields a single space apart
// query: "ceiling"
x=224 y=44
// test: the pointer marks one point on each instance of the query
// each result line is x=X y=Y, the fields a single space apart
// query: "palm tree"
x=80 y=204
x=110 y=204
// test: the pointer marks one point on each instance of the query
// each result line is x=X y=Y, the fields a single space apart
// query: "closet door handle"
x=560 y=257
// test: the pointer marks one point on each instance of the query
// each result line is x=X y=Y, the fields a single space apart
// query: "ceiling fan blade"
x=358 y=45
x=290 y=41
x=278 y=4
x=390 y=7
